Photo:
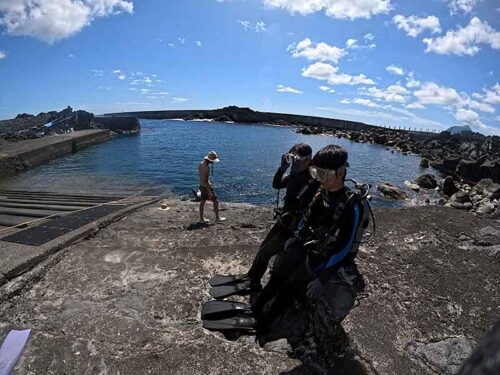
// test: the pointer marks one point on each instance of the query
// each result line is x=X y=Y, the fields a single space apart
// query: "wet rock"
x=426 y=181
x=444 y=356
x=412 y=186
x=424 y=163
x=392 y=191
x=448 y=186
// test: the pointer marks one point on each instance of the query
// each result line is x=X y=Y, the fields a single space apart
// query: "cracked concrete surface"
x=127 y=301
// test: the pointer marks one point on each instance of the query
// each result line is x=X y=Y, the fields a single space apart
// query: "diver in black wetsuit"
x=323 y=243
x=300 y=189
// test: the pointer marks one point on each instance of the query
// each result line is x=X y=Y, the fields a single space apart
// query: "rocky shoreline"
x=25 y=126
x=470 y=164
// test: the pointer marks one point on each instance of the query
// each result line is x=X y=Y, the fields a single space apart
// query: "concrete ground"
x=127 y=301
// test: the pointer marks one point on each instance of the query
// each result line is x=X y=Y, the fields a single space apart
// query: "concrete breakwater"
x=18 y=156
x=247 y=115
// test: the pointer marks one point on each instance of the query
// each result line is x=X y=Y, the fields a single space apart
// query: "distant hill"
x=459 y=129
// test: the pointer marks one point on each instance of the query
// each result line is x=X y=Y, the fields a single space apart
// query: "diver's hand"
x=284 y=163
x=314 y=289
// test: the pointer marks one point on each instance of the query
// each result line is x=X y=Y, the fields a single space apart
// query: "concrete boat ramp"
x=36 y=224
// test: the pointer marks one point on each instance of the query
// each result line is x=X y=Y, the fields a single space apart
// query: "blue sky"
x=424 y=64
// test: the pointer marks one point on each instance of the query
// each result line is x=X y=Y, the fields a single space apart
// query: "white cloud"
x=198 y=43
x=179 y=100
x=320 y=52
x=119 y=74
x=366 y=102
x=431 y=93
x=489 y=96
x=466 y=40
x=258 y=27
x=394 y=70
x=53 y=20
x=288 y=89
x=71 y=56
x=181 y=39
x=369 y=37
x=341 y=9
x=393 y=93
x=415 y=105
x=464 y=6
x=345 y=101
x=497 y=118
x=469 y=117
x=97 y=72
x=492 y=96
x=171 y=45
x=351 y=44
x=484 y=107
x=3 y=55
x=414 y=25
x=411 y=82
x=329 y=73
x=326 y=89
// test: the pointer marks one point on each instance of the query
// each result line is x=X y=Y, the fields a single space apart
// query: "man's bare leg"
x=216 y=210
x=202 y=216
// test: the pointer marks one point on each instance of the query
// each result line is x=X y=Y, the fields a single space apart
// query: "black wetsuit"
x=300 y=190
x=302 y=264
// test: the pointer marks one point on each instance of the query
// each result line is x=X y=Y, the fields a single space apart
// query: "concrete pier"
x=18 y=156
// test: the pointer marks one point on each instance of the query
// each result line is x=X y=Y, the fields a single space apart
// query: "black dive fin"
x=230 y=279
x=224 y=309
x=223 y=291
x=236 y=323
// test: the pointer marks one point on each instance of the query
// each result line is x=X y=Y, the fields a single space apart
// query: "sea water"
x=166 y=154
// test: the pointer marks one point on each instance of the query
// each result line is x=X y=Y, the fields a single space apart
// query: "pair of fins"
x=226 y=286
x=229 y=317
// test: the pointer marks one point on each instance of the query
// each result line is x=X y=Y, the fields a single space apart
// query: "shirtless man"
x=207 y=192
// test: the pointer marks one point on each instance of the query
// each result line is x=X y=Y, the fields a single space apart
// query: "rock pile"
x=470 y=156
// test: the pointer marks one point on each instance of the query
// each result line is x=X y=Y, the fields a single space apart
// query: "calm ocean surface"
x=167 y=152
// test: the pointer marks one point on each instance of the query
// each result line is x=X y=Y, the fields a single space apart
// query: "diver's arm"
x=280 y=182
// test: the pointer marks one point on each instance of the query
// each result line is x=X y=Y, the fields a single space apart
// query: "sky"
x=427 y=64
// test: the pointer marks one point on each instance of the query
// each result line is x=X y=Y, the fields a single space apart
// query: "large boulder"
x=380 y=139
x=392 y=191
x=426 y=181
x=491 y=169
x=488 y=188
x=424 y=163
x=469 y=169
x=448 y=186
x=460 y=197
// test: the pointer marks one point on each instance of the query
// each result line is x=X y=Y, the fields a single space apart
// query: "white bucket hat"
x=212 y=157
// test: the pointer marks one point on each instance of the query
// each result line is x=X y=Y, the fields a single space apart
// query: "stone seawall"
x=245 y=115
x=18 y=156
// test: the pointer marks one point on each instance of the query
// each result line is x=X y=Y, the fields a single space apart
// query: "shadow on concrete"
x=197 y=225
x=347 y=365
